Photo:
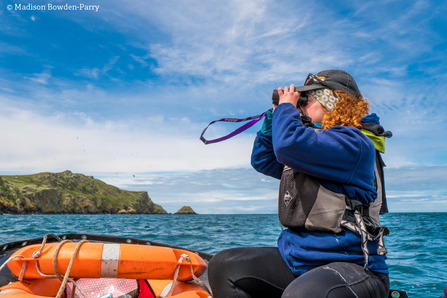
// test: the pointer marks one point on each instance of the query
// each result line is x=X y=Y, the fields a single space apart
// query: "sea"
x=417 y=245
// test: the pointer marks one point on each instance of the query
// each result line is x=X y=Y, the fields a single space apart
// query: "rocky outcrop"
x=70 y=193
x=185 y=210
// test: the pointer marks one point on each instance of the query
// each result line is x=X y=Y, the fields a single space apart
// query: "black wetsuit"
x=259 y=272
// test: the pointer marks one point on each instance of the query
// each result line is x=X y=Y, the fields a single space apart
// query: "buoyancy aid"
x=305 y=204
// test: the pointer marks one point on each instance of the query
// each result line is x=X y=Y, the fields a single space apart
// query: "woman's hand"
x=289 y=95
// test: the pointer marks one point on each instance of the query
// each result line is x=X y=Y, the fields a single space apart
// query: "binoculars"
x=302 y=101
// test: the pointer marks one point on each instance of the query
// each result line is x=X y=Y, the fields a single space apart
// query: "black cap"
x=335 y=79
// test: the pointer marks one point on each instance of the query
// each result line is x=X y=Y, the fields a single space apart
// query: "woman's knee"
x=241 y=261
x=219 y=265
x=249 y=272
x=337 y=280
x=226 y=260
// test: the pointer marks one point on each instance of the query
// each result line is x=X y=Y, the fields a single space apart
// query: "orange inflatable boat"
x=106 y=270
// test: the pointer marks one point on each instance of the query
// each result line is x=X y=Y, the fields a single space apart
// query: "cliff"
x=185 y=210
x=70 y=193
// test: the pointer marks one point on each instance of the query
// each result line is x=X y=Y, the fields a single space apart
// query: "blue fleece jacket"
x=342 y=158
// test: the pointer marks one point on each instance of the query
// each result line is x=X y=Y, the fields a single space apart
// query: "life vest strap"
x=359 y=228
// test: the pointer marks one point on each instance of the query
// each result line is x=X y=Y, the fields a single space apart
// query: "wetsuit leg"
x=339 y=280
x=249 y=272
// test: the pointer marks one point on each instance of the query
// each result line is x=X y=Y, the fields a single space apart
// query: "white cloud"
x=94 y=73
x=141 y=60
x=236 y=42
x=89 y=73
x=6 y=48
x=409 y=189
x=417 y=188
x=34 y=142
x=41 y=78
x=414 y=116
x=206 y=191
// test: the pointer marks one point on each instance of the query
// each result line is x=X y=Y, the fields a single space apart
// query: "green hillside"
x=70 y=193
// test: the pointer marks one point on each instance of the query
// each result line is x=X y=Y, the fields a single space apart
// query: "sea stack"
x=185 y=210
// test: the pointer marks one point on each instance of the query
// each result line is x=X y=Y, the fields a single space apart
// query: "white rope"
x=55 y=276
x=67 y=273
x=76 y=286
x=37 y=254
x=22 y=272
x=41 y=273
x=174 y=282
x=195 y=278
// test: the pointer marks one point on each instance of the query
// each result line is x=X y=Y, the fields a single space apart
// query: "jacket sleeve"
x=263 y=158
x=338 y=154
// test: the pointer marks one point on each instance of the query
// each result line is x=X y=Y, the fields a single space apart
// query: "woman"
x=327 y=188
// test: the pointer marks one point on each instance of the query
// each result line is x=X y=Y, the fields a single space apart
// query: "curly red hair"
x=349 y=111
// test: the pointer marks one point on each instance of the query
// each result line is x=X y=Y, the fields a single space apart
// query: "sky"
x=121 y=90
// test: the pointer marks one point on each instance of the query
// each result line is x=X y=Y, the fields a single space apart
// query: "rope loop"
x=22 y=272
x=56 y=252
x=65 y=278
x=70 y=265
x=195 y=278
x=37 y=253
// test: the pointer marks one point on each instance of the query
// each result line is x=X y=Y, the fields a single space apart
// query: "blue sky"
x=124 y=92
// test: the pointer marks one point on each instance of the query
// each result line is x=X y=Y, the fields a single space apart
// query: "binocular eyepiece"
x=302 y=101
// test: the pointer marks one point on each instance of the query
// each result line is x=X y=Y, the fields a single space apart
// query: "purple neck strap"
x=254 y=120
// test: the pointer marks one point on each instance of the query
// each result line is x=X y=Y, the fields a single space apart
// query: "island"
x=69 y=193
x=185 y=210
